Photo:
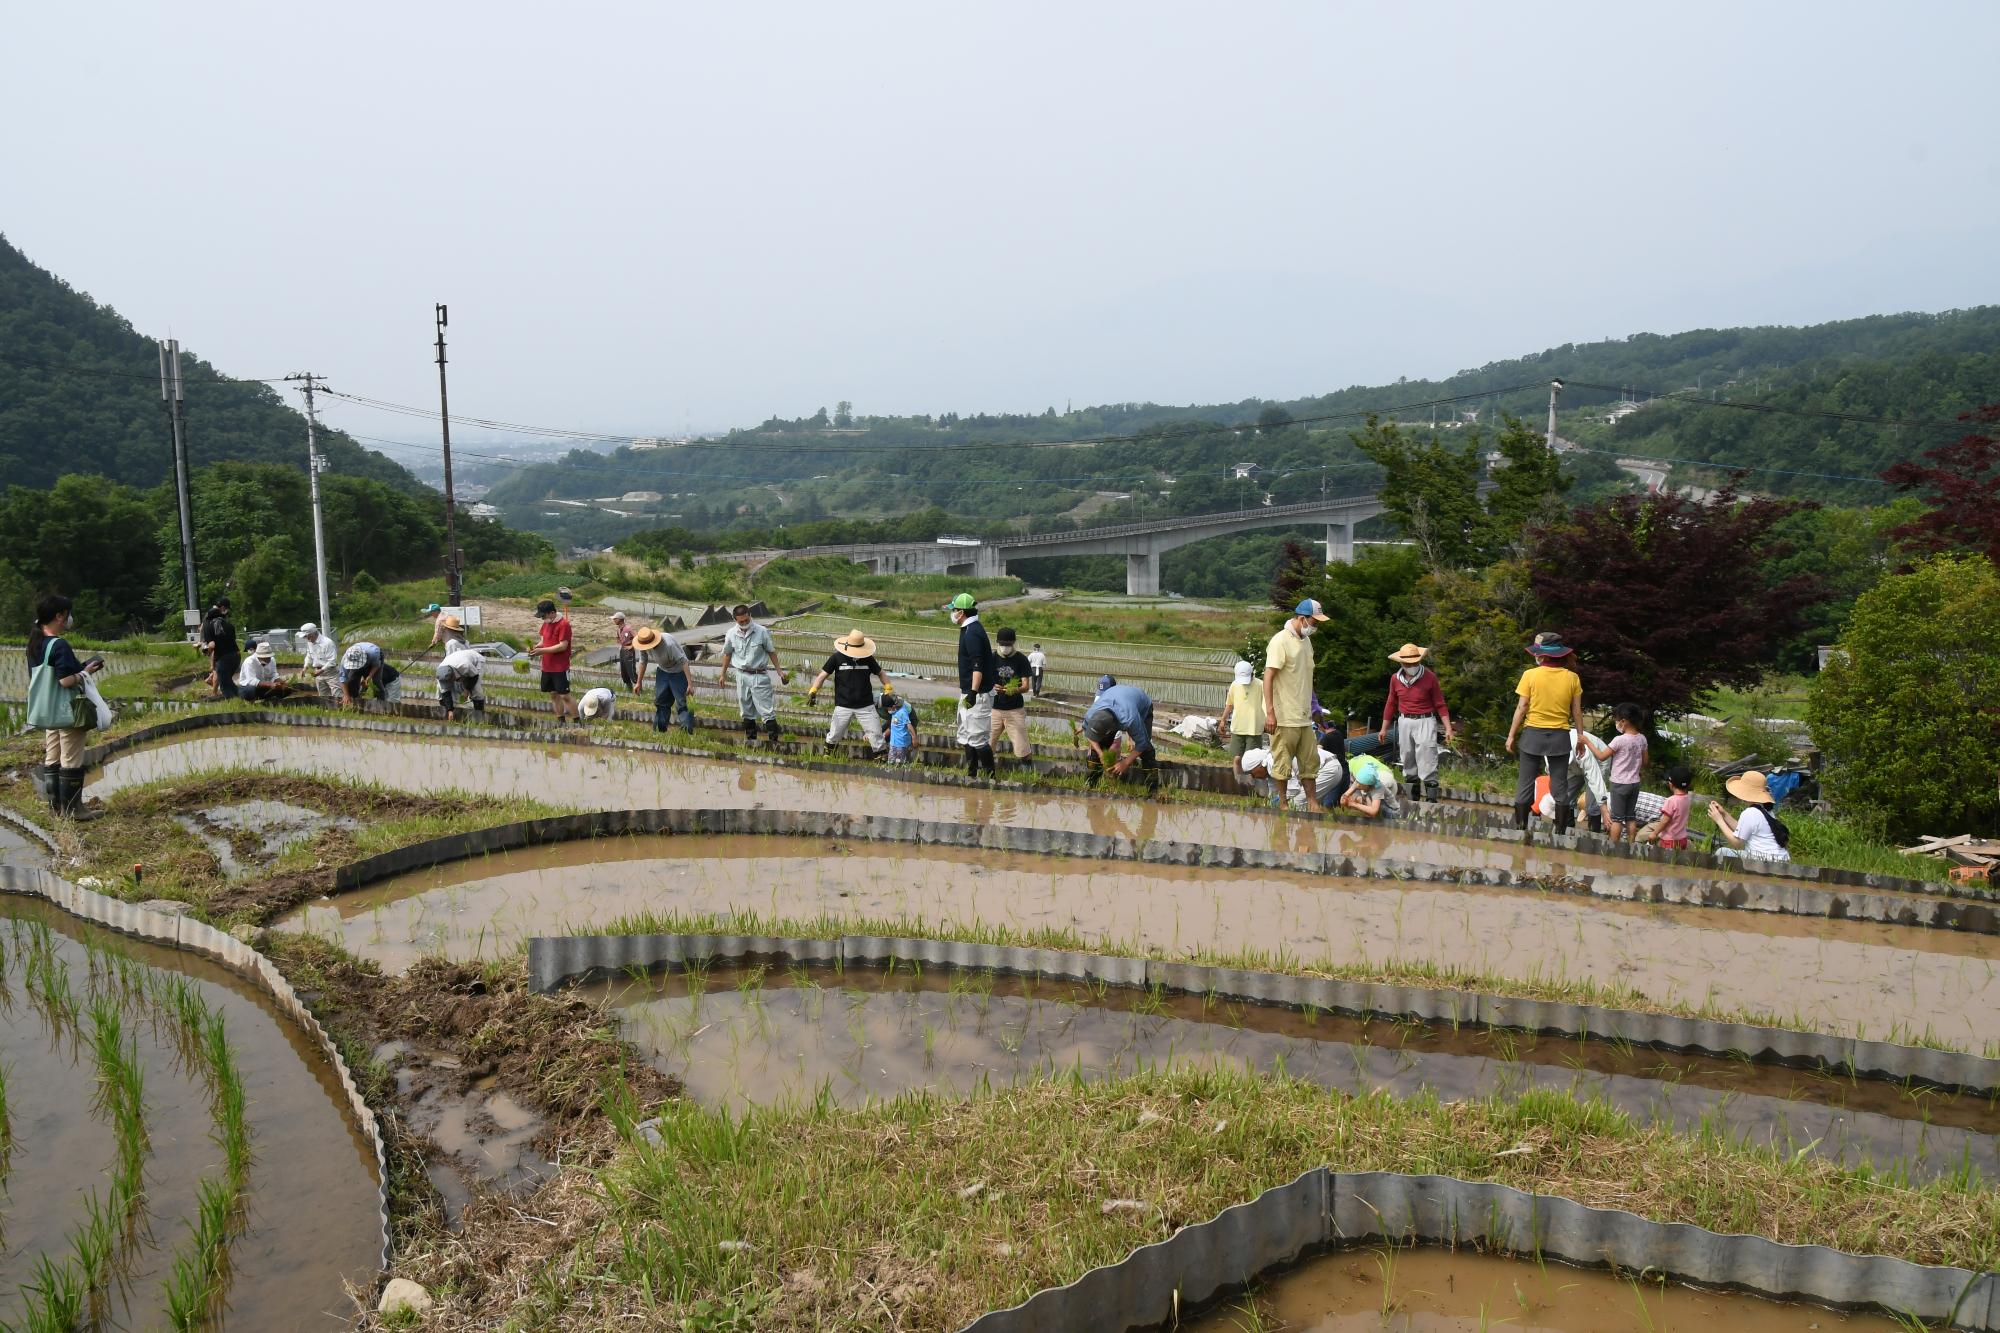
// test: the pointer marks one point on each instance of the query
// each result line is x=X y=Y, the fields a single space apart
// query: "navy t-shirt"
x=1007 y=668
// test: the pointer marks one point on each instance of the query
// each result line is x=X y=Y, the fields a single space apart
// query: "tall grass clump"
x=195 y=1280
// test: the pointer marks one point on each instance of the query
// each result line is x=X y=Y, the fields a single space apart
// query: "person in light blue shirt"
x=902 y=729
x=1120 y=708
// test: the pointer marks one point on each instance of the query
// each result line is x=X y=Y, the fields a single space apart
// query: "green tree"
x=1908 y=713
x=273 y=585
x=1477 y=626
x=1528 y=488
x=93 y=540
x=1431 y=489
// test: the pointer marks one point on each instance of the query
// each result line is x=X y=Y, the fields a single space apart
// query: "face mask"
x=1306 y=630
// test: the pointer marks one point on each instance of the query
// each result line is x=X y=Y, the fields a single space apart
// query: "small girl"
x=901 y=738
x=1680 y=803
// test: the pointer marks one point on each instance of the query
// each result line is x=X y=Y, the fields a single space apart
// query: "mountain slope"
x=80 y=393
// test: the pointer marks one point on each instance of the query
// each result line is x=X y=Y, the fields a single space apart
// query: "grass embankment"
x=1817 y=840
x=141 y=827
x=923 y=1212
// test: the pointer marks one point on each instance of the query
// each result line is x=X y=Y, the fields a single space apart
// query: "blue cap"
x=1105 y=682
x=1309 y=608
x=432 y=607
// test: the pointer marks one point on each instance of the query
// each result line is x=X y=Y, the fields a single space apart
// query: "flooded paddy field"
x=1835 y=976
x=596 y=778
x=754 y=1036
x=114 y=1133
x=1459 y=1291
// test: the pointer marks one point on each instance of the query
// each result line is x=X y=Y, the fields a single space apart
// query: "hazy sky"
x=646 y=215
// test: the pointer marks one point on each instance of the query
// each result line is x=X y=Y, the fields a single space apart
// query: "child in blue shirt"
x=901 y=724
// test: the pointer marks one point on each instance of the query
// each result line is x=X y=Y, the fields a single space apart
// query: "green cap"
x=963 y=602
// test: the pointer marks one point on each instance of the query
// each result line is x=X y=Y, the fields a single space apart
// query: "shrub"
x=1908 y=714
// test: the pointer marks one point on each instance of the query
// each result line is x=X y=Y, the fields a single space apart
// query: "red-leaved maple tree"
x=1961 y=483
x=1664 y=597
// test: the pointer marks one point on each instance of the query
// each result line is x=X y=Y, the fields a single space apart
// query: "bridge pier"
x=989 y=563
x=1142 y=574
x=1340 y=543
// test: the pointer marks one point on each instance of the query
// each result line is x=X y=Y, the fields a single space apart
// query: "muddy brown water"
x=608 y=779
x=1835 y=976
x=482 y=1136
x=743 y=1036
x=1431 y=1290
x=287 y=1266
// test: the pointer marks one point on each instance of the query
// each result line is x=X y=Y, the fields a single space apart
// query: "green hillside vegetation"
x=80 y=393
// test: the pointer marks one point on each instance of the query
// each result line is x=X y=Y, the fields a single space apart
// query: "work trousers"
x=1419 y=737
x=328 y=685
x=1537 y=746
x=628 y=666
x=1294 y=747
x=844 y=720
x=450 y=692
x=1013 y=721
x=670 y=701
x=975 y=724
x=757 y=696
x=63 y=747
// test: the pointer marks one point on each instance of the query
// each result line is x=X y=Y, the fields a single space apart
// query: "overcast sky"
x=648 y=215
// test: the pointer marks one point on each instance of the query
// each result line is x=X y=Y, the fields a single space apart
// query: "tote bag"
x=50 y=704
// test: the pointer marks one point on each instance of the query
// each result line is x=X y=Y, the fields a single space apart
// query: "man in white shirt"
x=461 y=672
x=321 y=664
x=599 y=703
x=1036 y=661
x=1328 y=783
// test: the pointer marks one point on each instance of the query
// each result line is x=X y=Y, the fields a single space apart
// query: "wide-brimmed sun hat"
x=1245 y=673
x=1550 y=644
x=646 y=638
x=1409 y=654
x=451 y=622
x=263 y=651
x=855 y=644
x=1750 y=788
x=354 y=659
x=592 y=704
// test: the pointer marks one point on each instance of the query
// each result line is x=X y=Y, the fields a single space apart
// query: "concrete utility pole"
x=450 y=502
x=314 y=465
x=1555 y=392
x=170 y=390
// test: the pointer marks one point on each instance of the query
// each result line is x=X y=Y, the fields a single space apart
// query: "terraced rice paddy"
x=161 y=1126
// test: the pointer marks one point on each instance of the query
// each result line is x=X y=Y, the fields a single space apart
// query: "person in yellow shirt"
x=1242 y=722
x=1288 y=693
x=1549 y=713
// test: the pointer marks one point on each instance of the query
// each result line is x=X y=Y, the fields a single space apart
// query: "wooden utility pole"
x=451 y=572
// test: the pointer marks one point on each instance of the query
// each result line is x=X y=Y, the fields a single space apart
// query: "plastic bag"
x=105 y=717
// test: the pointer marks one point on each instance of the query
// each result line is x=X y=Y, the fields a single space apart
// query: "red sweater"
x=1419 y=700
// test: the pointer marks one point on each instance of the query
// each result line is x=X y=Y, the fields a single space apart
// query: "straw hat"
x=645 y=638
x=1750 y=788
x=855 y=644
x=1549 y=645
x=451 y=622
x=1409 y=654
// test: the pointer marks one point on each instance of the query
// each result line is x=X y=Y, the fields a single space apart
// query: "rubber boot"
x=749 y=728
x=1596 y=821
x=69 y=791
x=1565 y=820
x=971 y=761
x=1521 y=817
x=1432 y=793
x=1416 y=792
x=771 y=730
x=986 y=759
x=44 y=778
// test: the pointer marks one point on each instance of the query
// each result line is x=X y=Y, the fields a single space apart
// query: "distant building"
x=482 y=511
x=648 y=442
x=1244 y=471
x=639 y=497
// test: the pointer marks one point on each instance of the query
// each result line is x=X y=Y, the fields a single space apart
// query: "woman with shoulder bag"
x=58 y=705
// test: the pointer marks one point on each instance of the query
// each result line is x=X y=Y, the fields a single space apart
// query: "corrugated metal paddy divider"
x=1191 y=776
x=1325 y=1209
x=557 y=961
x=180 y=932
